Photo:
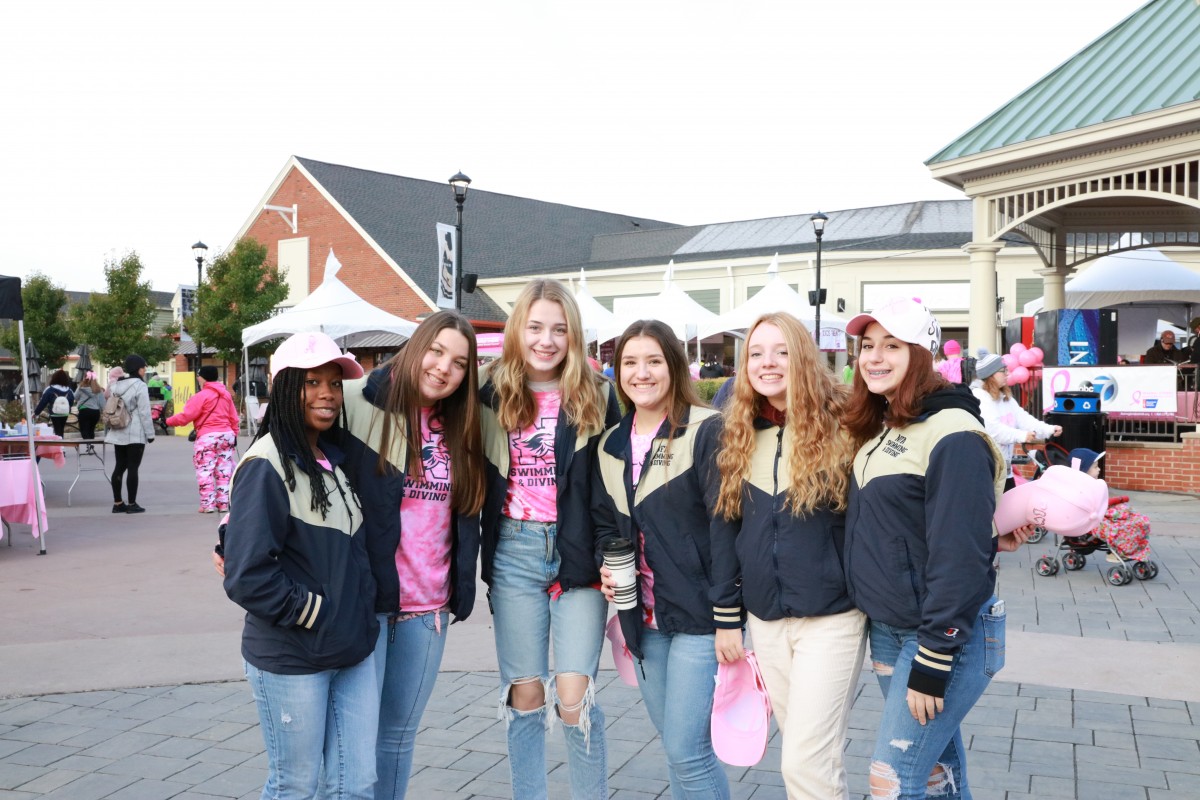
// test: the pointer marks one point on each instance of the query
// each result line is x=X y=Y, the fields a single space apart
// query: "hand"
x=1030 y=437
x=729 y=645
x=608 y=583
x=1010 y=542
x=150 y=440
x=1057 y=430
x=924 y=706
x=219 y=564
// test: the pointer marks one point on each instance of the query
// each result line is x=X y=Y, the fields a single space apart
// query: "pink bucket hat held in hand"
x=308 y=350
x=906 y=318
x=741 y=713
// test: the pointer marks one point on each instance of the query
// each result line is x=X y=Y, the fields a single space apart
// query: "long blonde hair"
x=820 y=451
x=580 y=385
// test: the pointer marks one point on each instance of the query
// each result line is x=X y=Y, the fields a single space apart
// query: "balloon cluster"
x=1019 y=360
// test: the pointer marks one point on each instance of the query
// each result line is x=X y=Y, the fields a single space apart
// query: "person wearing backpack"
x=129 y=443
x=91 y=403
x=58 y=399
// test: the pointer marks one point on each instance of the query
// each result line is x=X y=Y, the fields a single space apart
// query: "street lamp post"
x=818 y=297
x=459 y=183
x=198 y=250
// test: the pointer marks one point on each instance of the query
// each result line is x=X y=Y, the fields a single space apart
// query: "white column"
x=1054 y=293
x=982 y=326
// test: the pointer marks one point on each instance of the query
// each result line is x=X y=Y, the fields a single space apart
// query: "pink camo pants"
x=213 y=460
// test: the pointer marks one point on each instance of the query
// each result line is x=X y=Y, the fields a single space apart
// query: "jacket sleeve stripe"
x=312 y=609
x=934 y=661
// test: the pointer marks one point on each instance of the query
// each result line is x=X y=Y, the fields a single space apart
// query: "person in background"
x=60 y=387
x=777 y=537
x=919 y=549
x=296 y=561
x=648 y=489
x=90 y=399
x=1006 y=422
x=951 y=367
x=848 y=370
x=415 y=454
x=215 y=425
x=1165 y=352
x=129 y=443
x=543 y=410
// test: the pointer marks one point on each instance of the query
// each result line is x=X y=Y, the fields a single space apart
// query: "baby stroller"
x=158 y=415
x=1123 y=536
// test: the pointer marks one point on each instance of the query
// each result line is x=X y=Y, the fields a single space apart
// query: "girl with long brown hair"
x=784 y=471
x=649 y=490
x=544 y=409
x=417 y=465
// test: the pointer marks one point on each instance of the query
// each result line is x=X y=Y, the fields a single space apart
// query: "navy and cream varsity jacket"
x=381 y=495
x=919 y=532
x=669 y=506
x=771 y=562
x=304 y=581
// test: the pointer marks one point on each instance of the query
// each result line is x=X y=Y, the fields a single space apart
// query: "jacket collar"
x=617 y=444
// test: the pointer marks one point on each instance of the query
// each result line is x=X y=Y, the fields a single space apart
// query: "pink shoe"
x=622 y=658
x=741 y=714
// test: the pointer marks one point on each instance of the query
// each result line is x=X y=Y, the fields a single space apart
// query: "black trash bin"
x=1082 y=424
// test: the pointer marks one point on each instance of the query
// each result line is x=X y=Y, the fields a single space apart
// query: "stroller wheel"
x=1046 y=566
x=1073 y=561
x=1119 y=575
x=1145 y=570
x=1039 y=533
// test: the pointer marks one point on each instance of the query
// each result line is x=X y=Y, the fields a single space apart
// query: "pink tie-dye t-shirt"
x=532 y=484
x=423 y=557
x=639 y=447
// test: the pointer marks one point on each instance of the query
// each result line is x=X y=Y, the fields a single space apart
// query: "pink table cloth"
x=17 y=493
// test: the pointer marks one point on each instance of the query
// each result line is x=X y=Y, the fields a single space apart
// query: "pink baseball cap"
x=741 y=714
x=906 y=318
x=308 y=350
x=622 y=658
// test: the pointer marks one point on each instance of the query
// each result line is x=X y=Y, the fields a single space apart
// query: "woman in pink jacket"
x=215 y=418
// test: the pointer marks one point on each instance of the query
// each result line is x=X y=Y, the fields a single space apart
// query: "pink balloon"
x=1027 y=358
x=1010 y=360
x=1038 y=354
x=1017 y=348
x=1018 y=376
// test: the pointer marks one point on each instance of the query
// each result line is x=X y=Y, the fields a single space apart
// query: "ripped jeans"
x=526 y=621
x=906 y=752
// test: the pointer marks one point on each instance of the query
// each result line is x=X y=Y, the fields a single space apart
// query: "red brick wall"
x=363 y=269
x=1150 y=466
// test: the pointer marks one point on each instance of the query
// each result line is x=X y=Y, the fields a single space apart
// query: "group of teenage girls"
x=821 y=515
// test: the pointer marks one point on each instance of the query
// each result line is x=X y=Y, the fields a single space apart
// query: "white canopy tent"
x=777 y=296
x=333 y=308
x=1147 y=278
x=672 y=305
x=599 y=324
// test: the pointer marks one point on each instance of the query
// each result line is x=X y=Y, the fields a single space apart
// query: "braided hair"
x=284 y=423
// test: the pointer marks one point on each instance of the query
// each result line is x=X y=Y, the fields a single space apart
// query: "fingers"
x=728 y=644
x=924 y=707
x=218 y=564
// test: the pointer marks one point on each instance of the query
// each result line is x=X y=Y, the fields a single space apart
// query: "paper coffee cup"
x=621 y=559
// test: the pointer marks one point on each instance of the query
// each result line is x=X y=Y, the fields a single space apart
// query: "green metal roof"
x=1148 y=62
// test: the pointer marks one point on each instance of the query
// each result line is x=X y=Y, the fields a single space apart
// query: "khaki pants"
x=811 y=666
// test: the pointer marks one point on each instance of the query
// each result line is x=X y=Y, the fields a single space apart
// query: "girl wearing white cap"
x=296 y=560
x=919 y=549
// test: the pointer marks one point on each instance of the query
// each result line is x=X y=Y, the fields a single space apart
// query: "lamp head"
x=818 y=223
x=459 y=183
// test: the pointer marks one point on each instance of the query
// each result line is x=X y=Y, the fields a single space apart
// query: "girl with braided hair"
x=296 y=560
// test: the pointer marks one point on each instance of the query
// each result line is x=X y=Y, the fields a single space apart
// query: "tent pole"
x=39 y=510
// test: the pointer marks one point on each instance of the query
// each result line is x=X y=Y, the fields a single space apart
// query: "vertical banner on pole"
x=447 y=279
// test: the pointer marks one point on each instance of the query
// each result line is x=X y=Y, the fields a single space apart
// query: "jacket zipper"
x=775 y=520
x=849 y=549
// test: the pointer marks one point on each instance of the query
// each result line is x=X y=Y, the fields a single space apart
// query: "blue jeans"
x=907 y=751
x=407 y=657
x=677 y=681
x=331 y=715
x=526 y=620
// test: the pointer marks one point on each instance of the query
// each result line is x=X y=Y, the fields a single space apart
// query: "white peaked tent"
x=599 y=324
x=1147 y=278
x=776 y=296
x=672 y=305
x=333 y=309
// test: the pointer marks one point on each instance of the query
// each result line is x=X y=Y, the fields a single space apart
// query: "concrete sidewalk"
x=1099 y=698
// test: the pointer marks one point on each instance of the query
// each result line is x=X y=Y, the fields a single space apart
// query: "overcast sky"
x=148 y=125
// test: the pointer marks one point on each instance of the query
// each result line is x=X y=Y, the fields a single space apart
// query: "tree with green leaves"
x=119 y=322
x=45 y=322
x=242 y=290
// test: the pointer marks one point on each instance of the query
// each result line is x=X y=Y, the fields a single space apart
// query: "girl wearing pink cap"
x=296 y=561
